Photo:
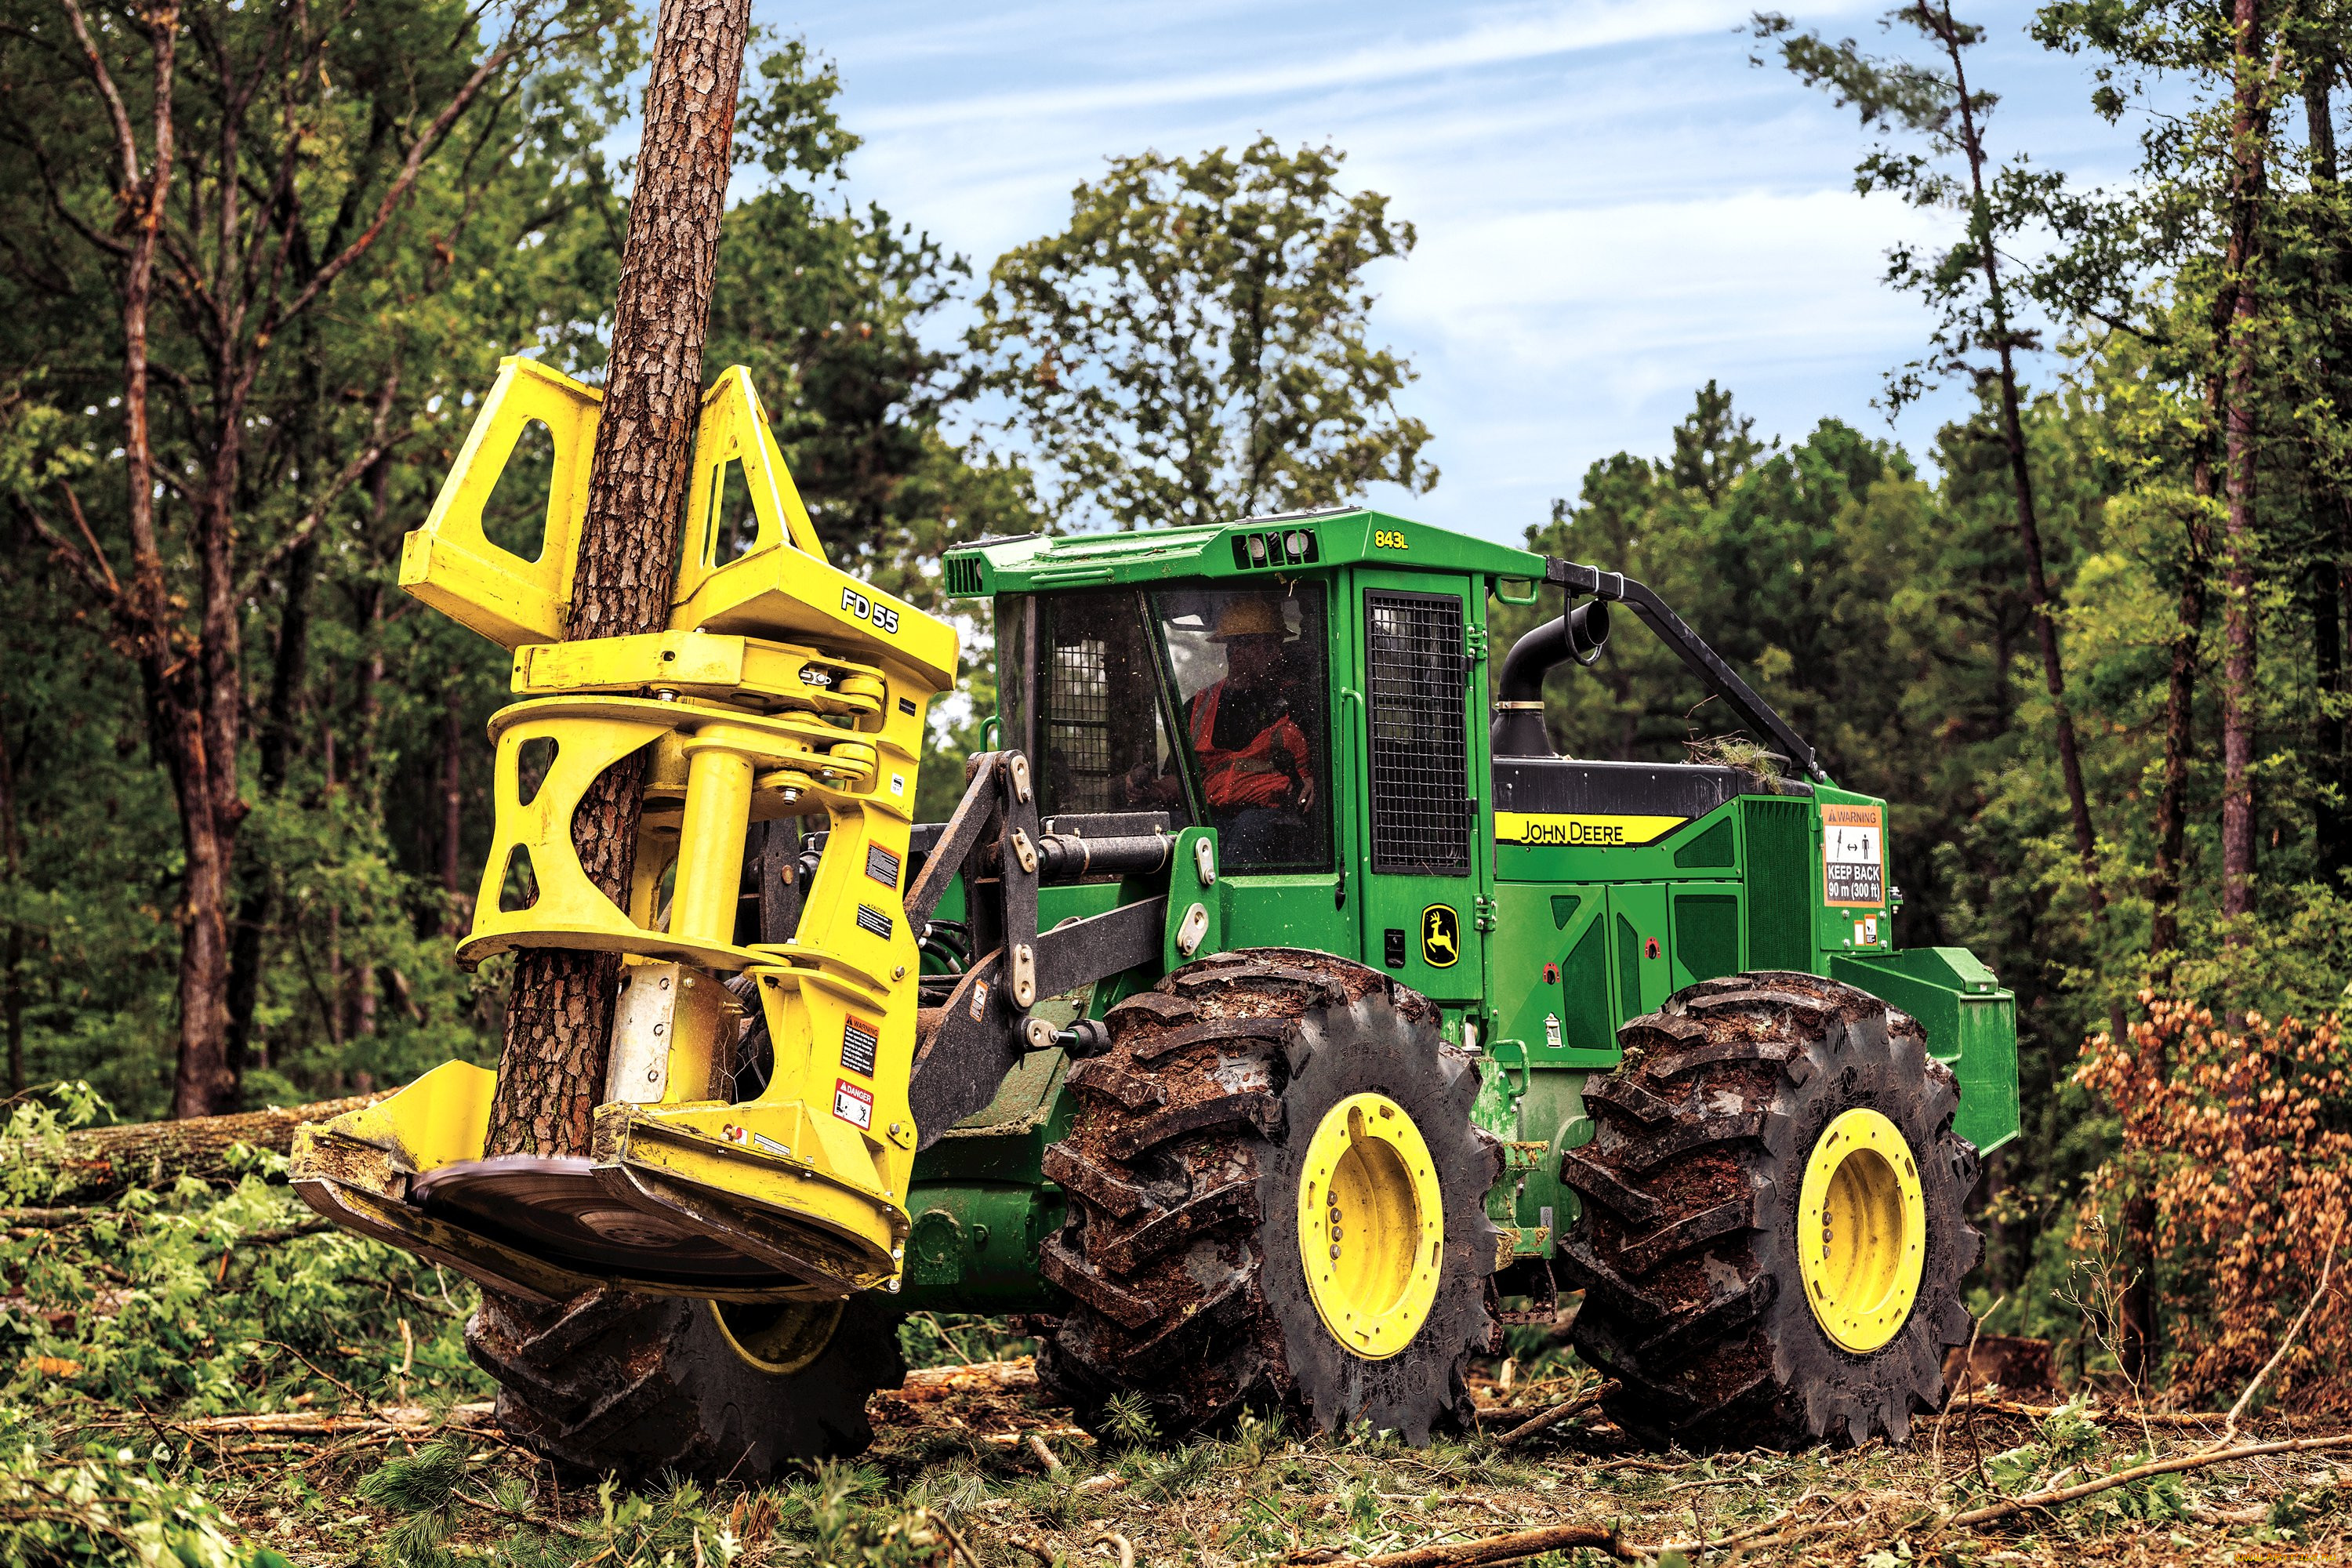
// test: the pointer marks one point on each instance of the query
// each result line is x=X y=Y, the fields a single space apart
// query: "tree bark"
x=2249 y=132
x=558 y=1019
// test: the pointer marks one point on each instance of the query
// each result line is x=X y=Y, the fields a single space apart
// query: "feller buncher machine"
x=1270 y=1024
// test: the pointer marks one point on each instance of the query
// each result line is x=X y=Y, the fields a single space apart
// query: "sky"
x=1613 y=206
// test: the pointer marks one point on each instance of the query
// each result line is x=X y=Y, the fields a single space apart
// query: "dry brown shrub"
x=2244 y=1141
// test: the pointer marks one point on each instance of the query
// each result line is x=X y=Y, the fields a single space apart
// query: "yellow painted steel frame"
x=1371 y=1225
x=782 y=687
x=1862 y=1230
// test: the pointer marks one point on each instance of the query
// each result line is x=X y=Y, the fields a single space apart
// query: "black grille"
x=1275 y=547
x=1418 y=673
x=963 y=575
x=1780 y=874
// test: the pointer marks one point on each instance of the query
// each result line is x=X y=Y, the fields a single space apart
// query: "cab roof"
x=1287 y=544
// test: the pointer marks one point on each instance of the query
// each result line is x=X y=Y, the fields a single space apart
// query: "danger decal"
x=853 y=1104
x=1854 y=856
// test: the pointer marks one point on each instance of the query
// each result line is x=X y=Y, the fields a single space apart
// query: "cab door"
x=1415 y=815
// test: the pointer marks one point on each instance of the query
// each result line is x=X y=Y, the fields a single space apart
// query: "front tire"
x=612 y=1383
x=1752 y=1118
x=1236 y=1099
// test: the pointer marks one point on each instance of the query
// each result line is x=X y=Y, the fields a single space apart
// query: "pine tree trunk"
x=460 y=914
x=2181 y=688
x=559 y=1022
x=2327 y=573
x=2250 y=130
x=2029 y=527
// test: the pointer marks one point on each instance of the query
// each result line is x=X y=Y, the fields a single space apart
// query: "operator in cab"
x=1257 y=770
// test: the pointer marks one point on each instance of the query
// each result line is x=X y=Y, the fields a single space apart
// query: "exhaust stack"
x=1519 y=729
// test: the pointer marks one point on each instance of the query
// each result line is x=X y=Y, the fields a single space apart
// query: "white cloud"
x=1613 y=206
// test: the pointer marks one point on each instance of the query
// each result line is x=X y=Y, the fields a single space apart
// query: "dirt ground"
x=969 y=1468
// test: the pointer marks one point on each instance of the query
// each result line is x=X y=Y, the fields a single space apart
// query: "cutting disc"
x=555 y=1209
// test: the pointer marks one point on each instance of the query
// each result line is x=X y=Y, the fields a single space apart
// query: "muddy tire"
x=613 y=1382
x=1696 y=1300
x=1185 y=1166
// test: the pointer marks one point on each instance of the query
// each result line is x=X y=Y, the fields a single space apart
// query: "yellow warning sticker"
x=1580 y=830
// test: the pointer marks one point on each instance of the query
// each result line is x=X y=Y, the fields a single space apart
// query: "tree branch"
x=344 y=479
x=421 y=149
x=126 y=141
x=102 y=589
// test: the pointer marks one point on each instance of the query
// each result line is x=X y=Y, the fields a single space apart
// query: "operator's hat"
x=1250 y=616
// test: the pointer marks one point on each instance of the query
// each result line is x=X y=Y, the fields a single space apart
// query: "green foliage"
x=210 y=1300
x=1128 y=1419
x=1193 y=347
x=108 y=1506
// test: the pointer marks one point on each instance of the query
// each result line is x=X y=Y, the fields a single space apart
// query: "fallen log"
x=101 y=1161
x=1511 y=1548
x=926 y=1384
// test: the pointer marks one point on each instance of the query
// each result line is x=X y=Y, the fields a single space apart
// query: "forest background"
x=263 y=259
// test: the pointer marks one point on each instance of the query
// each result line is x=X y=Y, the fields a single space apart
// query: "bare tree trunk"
x=560 y=1016
x=277 y=748
x=2327 y=577
x=2179 y=737
x=2029 y=527
x=12 y=951
x=2250 y=130
x=360 y=986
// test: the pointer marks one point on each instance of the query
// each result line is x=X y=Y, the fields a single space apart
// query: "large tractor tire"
x=1277 y=1200
x=612 y=1383
x=1772 y=1237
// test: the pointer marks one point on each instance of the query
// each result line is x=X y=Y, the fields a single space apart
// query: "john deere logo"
x=1440 y=931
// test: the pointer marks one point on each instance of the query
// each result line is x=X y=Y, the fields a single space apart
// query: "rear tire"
x=612 y=1383
x=1185 y=1166
x=1687 y=1248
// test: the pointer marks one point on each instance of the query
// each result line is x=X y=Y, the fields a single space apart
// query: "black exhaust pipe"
x=1519 y=729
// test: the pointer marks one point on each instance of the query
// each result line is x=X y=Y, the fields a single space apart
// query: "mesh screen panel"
x=1418 y=673
x=1078 y=727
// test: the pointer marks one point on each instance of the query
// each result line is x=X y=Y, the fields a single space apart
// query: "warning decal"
x=852 y=1104
x=1854 y=856
x=858 y=1039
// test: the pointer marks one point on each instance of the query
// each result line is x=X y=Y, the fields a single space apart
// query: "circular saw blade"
x=554 y=1208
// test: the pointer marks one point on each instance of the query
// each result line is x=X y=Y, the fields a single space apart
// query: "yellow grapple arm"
x=782 y=687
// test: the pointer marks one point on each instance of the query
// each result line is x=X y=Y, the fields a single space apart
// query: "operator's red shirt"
x=1270 y=771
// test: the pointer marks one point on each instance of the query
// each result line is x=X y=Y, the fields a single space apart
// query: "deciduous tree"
x=1195 y=345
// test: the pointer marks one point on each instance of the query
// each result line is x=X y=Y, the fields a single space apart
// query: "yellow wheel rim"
x=1862 y=1230
x=778 y=1337
x=1372 y=1226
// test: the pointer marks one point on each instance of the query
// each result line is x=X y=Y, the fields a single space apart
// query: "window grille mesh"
x=1077 y=708
x=1418 y=673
